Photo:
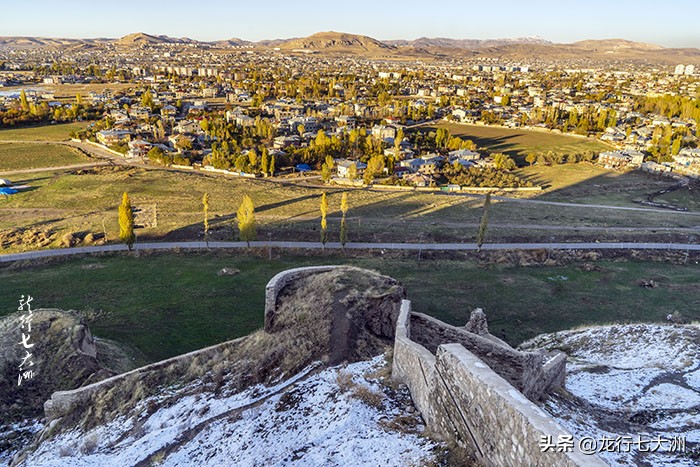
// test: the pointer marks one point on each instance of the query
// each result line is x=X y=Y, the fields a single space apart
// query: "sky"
x=670 y=24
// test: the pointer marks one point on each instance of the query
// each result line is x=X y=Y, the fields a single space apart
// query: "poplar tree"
x=343 y=224
x=23 y=102
x=398 y=140
x=324 y=223
x=264 y=162
x=272 y=166
x=246 y=220
x=205 y=210
x=326 y=173
x=352 y=172
x=484 y=222
x=126 y=222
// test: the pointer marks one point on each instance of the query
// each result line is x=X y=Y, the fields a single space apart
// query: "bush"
x=487 y=177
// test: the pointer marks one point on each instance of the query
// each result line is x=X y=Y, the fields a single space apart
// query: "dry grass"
x=519 y=142
x=59 y=132
x=345 y=381
x=368 y=396
x=17 y=156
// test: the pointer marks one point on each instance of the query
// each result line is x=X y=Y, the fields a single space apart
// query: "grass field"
x=69 y=91
x=688 y=198
x=16 y=156
x=57 y=132
x=87 y=200
x=592 y=184
x=169 y=304
x=518 y=143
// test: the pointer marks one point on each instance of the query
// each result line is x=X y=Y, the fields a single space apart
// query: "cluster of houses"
x=686 y=162
x=188 y=80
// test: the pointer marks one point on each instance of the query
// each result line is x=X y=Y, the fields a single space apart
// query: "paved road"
x=352 y=246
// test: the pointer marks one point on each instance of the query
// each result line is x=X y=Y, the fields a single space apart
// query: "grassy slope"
x=15 y=156
x=58 y=132
x=70 y=202
x=591 y=184
x=518 y=143
x=169 y=304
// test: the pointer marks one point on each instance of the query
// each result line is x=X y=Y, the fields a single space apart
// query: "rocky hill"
x=336 y=42
x=140 y=38
x=468 y=44
x=65 y=356
x=615 y=44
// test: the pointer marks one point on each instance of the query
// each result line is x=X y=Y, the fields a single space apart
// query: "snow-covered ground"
x=632 y=381
x=308 y=420
x=23 y=431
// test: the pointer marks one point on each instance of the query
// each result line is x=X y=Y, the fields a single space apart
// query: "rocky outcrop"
x=64 y=356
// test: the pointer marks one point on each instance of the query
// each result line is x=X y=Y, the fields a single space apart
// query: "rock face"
x=477 y=323
x=64 y=356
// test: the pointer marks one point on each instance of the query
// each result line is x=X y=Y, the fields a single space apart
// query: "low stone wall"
x=105 y=148
x=279 y=282
x=414 y=365
x=463 y=400
x=524 y=370
x=484 y=414
x=63 y=402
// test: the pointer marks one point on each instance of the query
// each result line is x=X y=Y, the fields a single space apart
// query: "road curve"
x=351 y=246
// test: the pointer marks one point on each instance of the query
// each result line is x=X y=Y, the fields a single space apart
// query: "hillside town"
x=408 y=247
x=274 y=112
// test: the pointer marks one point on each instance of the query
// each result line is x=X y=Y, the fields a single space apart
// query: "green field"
x=518 y=143
x=169 y=304
x=688 y=198
x=57 y=132
x=17 y=156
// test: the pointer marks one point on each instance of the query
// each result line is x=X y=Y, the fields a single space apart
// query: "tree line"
x=244 y=222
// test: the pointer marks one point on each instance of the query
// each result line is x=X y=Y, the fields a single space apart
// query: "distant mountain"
x=424 y=47
x=140 y=38
x=234 y=42
x=469 y=44
x=31 y=42
x=615 y=44
x=336 y=42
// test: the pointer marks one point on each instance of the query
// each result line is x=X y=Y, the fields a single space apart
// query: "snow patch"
x=298 y=421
